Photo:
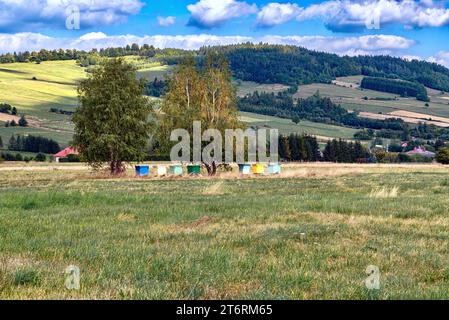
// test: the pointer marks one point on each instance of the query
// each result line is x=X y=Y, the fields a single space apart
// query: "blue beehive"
x=274 y=168
x=142 y=171
x=245 y=168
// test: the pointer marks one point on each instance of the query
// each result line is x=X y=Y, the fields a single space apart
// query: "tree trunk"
x=211 y=168
x=117 y=167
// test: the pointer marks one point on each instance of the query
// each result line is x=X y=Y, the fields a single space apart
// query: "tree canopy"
x=112 y=122
x=204 y=94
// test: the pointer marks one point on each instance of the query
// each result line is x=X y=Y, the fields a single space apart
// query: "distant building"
x=422 y=152
x=65 y=153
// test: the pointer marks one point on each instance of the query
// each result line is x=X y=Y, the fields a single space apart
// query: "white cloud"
x=345 y=15
x=372 y=44
x=441 y=57
x=276 y=13
x=166 y=21
x=363 y=45
x=32 y=14
x=212 y=13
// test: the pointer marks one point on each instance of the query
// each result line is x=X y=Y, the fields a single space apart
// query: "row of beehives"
x=194 y=169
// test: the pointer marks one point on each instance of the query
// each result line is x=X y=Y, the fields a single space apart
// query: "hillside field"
x=35 y=88
x=346 y=92
x=227 y=238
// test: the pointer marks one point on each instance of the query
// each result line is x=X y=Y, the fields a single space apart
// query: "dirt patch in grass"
x=203 y=221
x=7 y=117
x=423 y=118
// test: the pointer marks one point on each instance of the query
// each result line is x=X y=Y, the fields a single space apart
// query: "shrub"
x=443 y=156
x=26 y=277
x=40 y=157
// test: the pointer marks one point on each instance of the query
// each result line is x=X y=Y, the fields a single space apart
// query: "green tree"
x=206 y=95
x=443 y=156
x=296 y=119
x=40 y=157
x=112 y=122
x=1 y=143
x=23 y=122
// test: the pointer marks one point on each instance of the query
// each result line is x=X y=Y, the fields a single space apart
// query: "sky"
x=413 y=29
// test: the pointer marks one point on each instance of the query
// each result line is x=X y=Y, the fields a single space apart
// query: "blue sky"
x=409 y=28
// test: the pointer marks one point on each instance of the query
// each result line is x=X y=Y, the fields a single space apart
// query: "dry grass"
x=382 y=193
x=243 y=239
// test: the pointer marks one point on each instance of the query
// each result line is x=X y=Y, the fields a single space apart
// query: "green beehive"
x=194 y=169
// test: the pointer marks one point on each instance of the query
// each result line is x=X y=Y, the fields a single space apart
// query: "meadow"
x=308 y=234
x=286 y=126
x=352 y=98
x=36 y=88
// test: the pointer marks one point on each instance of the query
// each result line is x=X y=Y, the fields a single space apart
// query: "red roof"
x=66 y=152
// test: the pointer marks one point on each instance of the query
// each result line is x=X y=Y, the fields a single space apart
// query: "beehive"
x=245 y=168
x=142 y=170
x=274 y=168
x=161 y=171
x=194 y=169
x=258 y=168
x=176 y=170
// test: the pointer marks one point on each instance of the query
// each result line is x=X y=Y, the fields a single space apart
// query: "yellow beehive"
x=258 y=168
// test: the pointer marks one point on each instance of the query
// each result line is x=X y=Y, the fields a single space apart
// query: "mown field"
x=285 y=126
x=226 y=238
x=352 y=98
x=36 y=88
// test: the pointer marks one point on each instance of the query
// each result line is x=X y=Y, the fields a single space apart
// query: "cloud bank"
x=352 y=15
x=20 y=15
x=371 y=44
x=208 y=14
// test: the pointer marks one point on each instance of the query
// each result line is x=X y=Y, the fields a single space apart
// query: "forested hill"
x=263 y=63
x=295 y=65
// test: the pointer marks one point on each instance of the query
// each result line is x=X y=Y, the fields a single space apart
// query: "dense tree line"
x=299 y=148
x=156 y=88
x=86 y=58
x=403 y=88
x=7 y=156
x=33 y=144
x=288 y=65
x=8 y=109
x=345 y=152
x=61 y=111
x=430 y=132
x=315 y=108
x=280 y=104
x=284 y=64
x=265 y=63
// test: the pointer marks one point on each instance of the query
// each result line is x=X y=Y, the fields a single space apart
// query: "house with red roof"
x=65 y=153
x=421 y=151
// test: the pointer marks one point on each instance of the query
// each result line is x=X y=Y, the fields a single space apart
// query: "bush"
x=71 y=158
x=414 y=159
x=40 y=157
x=443 y=156
x=23 y=122
x=26 y=277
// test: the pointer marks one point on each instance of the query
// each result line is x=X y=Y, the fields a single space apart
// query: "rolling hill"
x=36 y=87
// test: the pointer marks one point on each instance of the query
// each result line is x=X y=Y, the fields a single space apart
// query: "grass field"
x=321 y=130
x=230 y=238
x=353 y=98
